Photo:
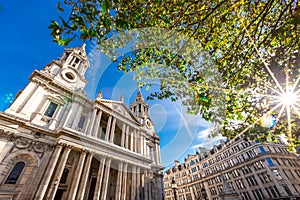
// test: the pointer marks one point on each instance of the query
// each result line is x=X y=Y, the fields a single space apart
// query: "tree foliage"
x=247 y=41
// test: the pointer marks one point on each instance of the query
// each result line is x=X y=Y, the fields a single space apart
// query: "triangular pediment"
x=119 y=107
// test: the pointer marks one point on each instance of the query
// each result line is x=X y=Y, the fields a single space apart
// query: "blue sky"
x=26 y=45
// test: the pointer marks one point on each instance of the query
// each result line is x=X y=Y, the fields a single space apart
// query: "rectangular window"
x=245 y=196
x=287 y=189
x=51 y=109
x=269 y=162
x=251 y=181
x=277 y=174
x=239 y=183
x=261 y=148
x=265 y=177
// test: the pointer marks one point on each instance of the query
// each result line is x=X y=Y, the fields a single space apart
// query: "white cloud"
x=205 y=141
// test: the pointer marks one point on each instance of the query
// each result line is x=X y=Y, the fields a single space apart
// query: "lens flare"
x=268 y=121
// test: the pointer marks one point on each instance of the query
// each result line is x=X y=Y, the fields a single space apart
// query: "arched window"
x=64 y=176
x=15 y=173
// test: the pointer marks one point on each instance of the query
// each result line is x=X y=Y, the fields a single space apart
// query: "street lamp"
x=203 y=193
x=174 y=187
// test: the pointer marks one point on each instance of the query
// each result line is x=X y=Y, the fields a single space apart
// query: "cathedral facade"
x=55 y=143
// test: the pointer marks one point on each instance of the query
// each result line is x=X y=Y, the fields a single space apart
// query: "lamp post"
x=203 y=193
x=174 y=187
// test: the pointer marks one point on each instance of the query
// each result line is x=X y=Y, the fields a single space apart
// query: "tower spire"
x=140 y=108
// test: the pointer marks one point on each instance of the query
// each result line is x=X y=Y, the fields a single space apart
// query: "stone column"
x=127 y=136
x=146 y=183
x=91 y=123
x=124 y=181
x=58 y=174
x=85 y=176
x=76 y=177
x=119 y=181
x=142 y=144
x=158 y=153
x=138 y=142
x=133 y=183
x=70 y=114
x=97 y=124
x=108 y=128
x=131 y=141
x=138 y=183
x=49 y=172
x=192 y=192
x=145 y=147
x=64 y=115
x=77 y=116
x=99 y=178
x=112 y=132
x=123 y=135
x=149 y=187
x=73 y=114
x=134 y=140
x=105 y=179
x=87 y=120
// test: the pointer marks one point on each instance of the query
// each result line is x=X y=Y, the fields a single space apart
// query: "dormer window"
x=51 y=109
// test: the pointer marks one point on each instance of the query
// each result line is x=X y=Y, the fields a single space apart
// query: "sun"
x=289 y=98
x=283 y=101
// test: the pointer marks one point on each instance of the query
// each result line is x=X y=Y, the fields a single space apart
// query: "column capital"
x=125 y=164
x=83 y=152
x=138 y=169
x=58 y=145
x=133 y=167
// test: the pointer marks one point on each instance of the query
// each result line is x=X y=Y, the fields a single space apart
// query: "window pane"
x=81 y=122
x=15 y=173
x=269 y=162
x=261 y=148
x=51 y=109
x=64 y=176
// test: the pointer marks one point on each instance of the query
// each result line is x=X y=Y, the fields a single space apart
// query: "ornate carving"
x=7 y=132
x=120 y=109
x=31 y=145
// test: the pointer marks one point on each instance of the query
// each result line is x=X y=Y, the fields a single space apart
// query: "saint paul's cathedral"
x=55 y=143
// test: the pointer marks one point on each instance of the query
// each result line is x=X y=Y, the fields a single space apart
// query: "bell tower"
x=70 y=68
x=53 y=90
x=141 y=110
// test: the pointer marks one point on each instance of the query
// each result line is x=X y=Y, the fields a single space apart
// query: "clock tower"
x=141 y=110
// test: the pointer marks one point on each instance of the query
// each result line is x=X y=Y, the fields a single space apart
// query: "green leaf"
x=64 y=42
x=105 y=6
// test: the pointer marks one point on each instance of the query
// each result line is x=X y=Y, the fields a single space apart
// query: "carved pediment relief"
x=119 y=107
x=21 y=143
